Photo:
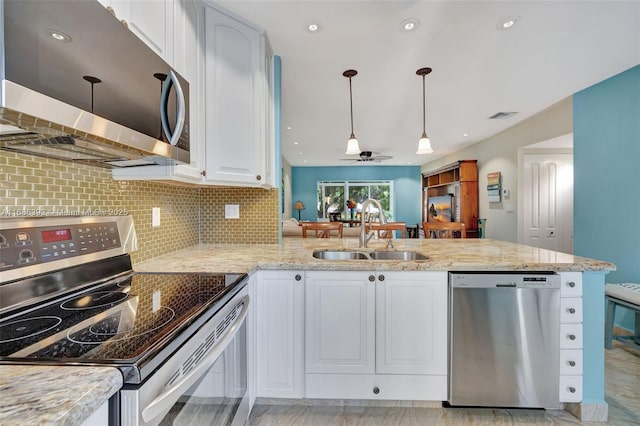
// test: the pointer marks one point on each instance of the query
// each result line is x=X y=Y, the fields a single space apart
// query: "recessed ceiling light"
x=289 y=127
x=465 y=134
x=58 y=35
x=296 y=143
x=507 y=23
x=305 y=161
x=313 y=26
x=301 y=153
x=409 y=24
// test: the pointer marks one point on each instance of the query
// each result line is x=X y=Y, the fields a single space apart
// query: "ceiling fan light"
x=352 y=146
x=424 y=146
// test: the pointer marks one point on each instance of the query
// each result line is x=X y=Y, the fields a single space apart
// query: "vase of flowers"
x=351 y=205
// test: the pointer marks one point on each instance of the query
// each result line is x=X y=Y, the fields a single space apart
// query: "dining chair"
x=388 y=229
x=322 y=229
x=444 y=229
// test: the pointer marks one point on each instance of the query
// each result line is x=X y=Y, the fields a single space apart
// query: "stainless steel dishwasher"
x=504 y=339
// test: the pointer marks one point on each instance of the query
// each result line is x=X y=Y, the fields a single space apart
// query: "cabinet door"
x=411 y=318
x=280 y=328
x=150 y=20
x=340 y=322
x=235 y=149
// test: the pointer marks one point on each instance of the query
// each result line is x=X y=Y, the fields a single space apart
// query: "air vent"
x=503 y=115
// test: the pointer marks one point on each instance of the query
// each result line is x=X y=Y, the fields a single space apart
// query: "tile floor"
x=622 y=392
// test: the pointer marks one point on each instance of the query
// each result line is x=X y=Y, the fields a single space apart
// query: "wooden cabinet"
x=376 y=335
x=460 y=180
x=280 y=328
x=571 y=337
x=150 y=20
x=235 y=101
x=229 y=65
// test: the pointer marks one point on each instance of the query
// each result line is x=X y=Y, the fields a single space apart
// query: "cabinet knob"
x=572 y=389
x=203 y=173
x=124 y=22
x=372 y=278
x=111 y=11
x=381 y=277
x=572 y=363
x=572 y=337
x=571 y=310
x=258 y=177
x=571 y=284
x=376 y=390
x=298 y=277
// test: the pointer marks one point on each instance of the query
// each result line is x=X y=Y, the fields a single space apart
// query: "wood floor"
x=622 y=392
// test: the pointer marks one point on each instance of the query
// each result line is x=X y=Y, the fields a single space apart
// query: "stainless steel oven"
x=69 y=296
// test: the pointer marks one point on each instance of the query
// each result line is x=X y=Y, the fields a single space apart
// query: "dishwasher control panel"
x=504 y=280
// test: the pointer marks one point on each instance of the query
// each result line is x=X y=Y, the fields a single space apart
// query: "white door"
x=280 y=325
x=548 y=201
x=340 y=322
x=411 y=323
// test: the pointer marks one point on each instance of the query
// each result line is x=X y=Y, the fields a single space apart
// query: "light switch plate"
x=232 y=211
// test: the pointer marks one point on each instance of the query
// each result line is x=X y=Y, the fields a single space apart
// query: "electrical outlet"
x=232 y=211
x=156 y=301
x=155 y=217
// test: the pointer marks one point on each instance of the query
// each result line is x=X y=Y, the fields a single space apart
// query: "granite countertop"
x=444 y=255
x=54 y=395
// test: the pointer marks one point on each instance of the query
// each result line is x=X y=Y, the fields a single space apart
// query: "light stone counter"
x=444 y=255
x=48 y=395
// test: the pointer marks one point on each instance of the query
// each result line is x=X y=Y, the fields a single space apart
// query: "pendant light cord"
x=351 y=108
x=424 y=112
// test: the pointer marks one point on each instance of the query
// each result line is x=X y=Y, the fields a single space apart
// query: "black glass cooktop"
x=120 y=321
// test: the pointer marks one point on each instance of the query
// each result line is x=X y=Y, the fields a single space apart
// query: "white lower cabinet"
x=571 y=337
x=379 y=335
x=280 y=328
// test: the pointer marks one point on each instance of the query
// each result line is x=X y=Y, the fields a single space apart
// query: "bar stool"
x=628 y=296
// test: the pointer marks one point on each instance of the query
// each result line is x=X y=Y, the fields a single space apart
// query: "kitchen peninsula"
x=295 y=256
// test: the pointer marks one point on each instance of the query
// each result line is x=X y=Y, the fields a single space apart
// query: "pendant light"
x=352 y=144
x=424 y=144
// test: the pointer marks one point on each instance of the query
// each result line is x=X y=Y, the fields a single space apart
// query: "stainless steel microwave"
x=78 y=85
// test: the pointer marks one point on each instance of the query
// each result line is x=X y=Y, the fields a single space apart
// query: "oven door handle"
x=168 y=398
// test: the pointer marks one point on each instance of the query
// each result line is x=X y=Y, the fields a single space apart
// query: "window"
x=332 y=199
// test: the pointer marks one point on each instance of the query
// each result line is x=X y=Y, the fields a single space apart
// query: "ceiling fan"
x=368 y=157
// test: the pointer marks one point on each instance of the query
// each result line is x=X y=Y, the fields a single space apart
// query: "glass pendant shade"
x=352 y=146
x=424 y=145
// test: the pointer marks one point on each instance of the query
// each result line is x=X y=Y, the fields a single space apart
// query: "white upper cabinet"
x=236 y=101
x=150 y=20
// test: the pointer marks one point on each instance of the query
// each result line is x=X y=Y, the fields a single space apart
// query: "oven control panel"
x=21 y=247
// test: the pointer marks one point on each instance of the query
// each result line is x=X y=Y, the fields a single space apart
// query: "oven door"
x=204 y=382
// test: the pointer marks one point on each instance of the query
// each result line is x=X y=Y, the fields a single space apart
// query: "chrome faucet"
x=364 y=236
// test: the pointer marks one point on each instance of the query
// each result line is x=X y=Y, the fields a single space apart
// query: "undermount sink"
x=376 y=255
x=397 y=255
x=340 y=255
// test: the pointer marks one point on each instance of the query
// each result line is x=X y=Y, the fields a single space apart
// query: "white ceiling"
x=556 y=49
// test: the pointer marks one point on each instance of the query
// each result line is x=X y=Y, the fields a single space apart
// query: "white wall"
x=499 y=153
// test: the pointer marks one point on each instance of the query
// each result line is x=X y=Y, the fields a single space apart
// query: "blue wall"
x=606 y=134
x=407 y=187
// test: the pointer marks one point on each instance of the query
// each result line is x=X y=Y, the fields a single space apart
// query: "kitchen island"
x=443 y=255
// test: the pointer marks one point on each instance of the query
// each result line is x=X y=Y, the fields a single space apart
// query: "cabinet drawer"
x=571 y=362
x=570 y=388
x=570 y=309
x=571 y=284
x=570 y=336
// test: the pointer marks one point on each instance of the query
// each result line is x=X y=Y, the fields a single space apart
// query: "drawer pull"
x=381 y=277
x=376 y=390
x=572 y=389
x=298 y=277
x=572 y=337
x=572 y=363
x=372 y=278
x=571 y=310
x=571 y=284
